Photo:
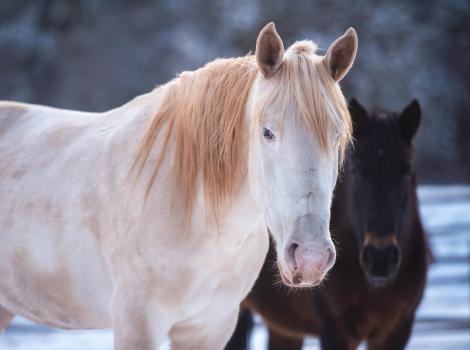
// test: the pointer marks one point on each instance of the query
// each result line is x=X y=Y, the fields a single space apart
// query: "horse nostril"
x=291 y=255
x=292 y=248
x=394 y=256
x=331 y=258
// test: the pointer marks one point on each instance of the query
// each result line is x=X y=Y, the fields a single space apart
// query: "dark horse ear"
x=409 y=120
x=360 y=118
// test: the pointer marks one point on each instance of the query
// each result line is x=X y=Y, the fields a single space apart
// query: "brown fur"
x=374 y=240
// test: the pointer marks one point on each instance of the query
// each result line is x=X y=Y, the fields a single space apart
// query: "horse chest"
x=227 y=277
x=374 y=313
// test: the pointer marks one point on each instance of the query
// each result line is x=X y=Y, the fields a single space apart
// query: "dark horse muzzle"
x=380 y=258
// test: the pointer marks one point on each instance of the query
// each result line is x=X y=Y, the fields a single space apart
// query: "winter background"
x=98 y=54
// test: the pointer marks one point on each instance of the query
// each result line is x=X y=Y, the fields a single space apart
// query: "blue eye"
x=267 y=134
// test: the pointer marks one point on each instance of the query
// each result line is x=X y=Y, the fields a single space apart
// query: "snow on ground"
x=443 y=319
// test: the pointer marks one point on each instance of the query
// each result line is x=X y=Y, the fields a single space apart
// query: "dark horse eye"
x=268 y=135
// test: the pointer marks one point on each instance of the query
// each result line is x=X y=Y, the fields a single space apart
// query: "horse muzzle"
x=380 y=259
x=305 y=265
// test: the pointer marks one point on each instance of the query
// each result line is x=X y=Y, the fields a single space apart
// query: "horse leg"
x=333 y=335
x=5 y=318
x=209 y=335
x=241 y=337
x=279 y=341
x=396 y=339
x=137 y=323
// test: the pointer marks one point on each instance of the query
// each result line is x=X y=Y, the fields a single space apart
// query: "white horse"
x=151 y=218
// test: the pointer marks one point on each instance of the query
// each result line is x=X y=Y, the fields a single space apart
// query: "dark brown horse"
x=378 y=280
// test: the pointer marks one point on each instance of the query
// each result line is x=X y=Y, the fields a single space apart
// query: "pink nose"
x=309 y=264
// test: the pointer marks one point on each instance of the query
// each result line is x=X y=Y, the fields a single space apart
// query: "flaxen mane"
x=204 y=115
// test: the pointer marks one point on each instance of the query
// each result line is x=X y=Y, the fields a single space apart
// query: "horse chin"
x=296 y=281
x=379 y=282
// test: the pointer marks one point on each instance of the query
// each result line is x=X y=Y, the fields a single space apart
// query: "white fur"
x=62 y=171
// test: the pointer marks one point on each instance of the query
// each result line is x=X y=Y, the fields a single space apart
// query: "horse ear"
x=269 y=50
x=360 y=118
x=410 y=119
x=341 y=54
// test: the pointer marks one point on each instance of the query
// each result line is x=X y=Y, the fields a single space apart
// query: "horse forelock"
x=304 y=82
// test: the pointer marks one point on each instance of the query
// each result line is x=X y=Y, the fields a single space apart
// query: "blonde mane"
x=204 y=114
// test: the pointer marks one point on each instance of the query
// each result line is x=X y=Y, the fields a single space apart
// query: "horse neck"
x=239 y=214
x=132 y=120
x=244 y=207
x=128 y=123
x=122 y=129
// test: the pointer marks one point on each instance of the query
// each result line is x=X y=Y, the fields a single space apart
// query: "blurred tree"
x=96 y=54
x=60 y=15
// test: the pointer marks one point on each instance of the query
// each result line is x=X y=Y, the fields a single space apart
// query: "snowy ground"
x=443 y=317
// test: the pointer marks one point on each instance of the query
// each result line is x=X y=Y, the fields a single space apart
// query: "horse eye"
x=267 y=134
